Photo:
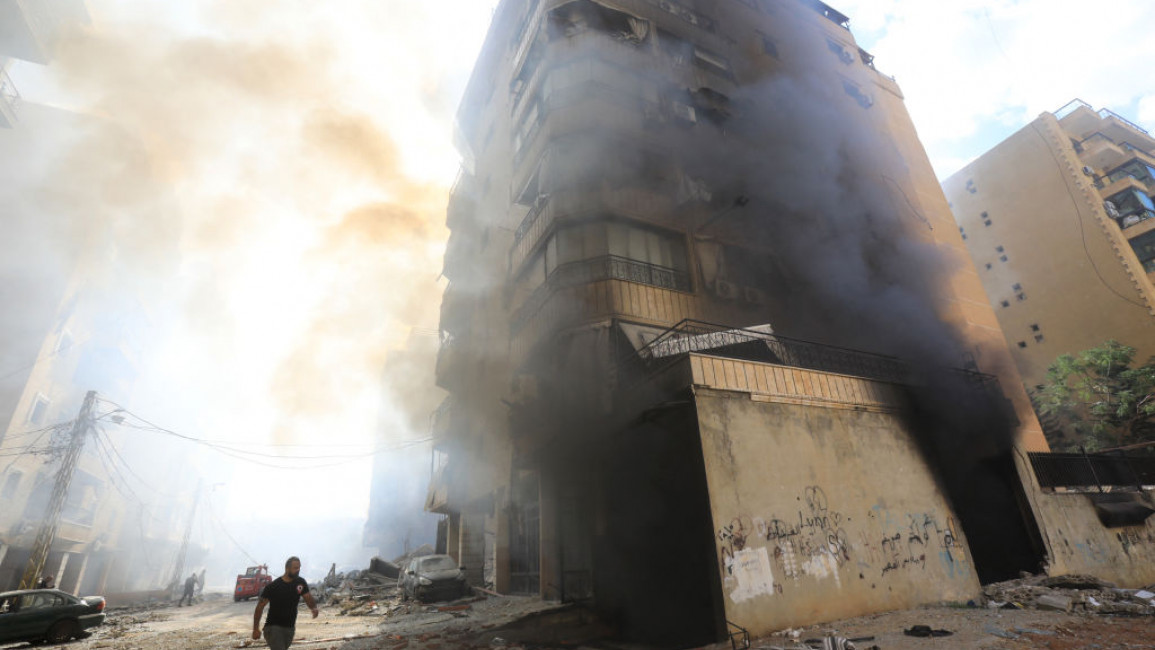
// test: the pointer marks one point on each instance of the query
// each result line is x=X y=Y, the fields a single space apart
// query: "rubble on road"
x=1071 y=593
x=372 y=592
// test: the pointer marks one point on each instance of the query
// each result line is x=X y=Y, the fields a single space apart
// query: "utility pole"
x=51 y=522
x=178 y=571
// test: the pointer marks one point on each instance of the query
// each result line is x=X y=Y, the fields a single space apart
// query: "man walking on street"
x=283 y=595
x=190 y=587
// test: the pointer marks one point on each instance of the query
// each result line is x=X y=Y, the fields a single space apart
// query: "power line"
x=252 y=456
x=224 y=530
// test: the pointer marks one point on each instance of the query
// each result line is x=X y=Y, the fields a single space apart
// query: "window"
x=39 y=411
x=768 y=46
x=1006 y=303
x=1003 y=258
x=1000 y=249
x=1144 y=247
x=987 y=222
x=844 y=55
x=713 y=62
x=11 y=484
x=971 y=186
x=1022 y=344
x=687 y=14
x=1034 y=328
x=989 y=266
x=1020 y=296
x=65 y=342
x=1017 y=287
x=854 y=90
x=1039 y=338
x=601 y=250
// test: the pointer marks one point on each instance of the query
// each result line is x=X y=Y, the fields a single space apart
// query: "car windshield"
x=438 y=564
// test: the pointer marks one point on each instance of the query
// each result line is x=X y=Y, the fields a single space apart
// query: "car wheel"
x=62 y=631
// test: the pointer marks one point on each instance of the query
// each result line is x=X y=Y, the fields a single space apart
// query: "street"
x=501 y=624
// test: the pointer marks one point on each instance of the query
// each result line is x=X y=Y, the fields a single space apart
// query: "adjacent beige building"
x=1060 y=222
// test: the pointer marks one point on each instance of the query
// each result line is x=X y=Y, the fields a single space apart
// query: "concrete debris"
x=1072 y=593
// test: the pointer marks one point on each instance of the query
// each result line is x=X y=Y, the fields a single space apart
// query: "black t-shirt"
x=283 y=600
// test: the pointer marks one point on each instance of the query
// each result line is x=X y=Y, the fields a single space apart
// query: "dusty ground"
x=983 y=629
x=484 y=625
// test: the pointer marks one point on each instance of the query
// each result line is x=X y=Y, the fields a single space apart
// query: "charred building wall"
x=634 y=164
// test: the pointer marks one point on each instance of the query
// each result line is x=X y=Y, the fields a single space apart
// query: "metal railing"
x=608 y=267
x=1083 y=470
x=9 y=95
x=754 y=345
x=1071 y=107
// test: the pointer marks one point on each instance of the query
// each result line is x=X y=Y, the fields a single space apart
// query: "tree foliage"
x=1098 y=399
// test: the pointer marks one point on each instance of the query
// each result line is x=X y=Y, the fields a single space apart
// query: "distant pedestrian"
x=283 y=595
x=190 y=587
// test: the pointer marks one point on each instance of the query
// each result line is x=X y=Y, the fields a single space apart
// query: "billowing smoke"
x=244 y=164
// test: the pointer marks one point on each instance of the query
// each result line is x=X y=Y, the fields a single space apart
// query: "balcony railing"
x=1093 y=471
x=609 y=267
x=1135 y=219
x=754 y=345
x=9 y=100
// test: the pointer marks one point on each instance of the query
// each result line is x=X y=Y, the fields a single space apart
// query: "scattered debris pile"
x=370 y=592
x=1073 y=594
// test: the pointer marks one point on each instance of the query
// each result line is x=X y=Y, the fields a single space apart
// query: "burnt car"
x=433 y=577
x=47 y=615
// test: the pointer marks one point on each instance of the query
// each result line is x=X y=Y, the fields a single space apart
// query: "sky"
x=309 y=147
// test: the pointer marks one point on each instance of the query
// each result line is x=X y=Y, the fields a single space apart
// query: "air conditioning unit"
x=685 y=112
x=727 y=290
x=754 y=295
x=1112 y=211
x=1087 y=171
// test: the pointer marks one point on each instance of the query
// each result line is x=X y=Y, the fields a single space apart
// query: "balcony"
x=637 y=203
x=462 y=201
x=449 y=364
x=1101 y=152
x=9 y=100
x=608 y=267
x=437 y=498
x=1121 y=185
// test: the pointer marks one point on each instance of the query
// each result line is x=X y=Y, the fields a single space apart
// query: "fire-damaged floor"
x=1009 y=616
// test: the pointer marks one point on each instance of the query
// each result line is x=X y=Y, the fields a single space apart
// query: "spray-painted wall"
x=1078 y=542
x=823 y=506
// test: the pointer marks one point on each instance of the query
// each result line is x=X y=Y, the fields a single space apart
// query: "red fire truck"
x=252 y=582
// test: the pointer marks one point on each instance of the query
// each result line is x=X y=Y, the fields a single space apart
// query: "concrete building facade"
x=705 y=371
x=1060 y=221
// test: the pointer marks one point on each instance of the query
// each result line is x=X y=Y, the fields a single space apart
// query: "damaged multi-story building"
x=716 y=357
x=1060 y=220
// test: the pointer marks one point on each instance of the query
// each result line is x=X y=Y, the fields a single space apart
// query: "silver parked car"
x=433 y=577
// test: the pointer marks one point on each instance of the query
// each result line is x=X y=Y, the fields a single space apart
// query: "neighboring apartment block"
x=705 y=368
x=1060 y=221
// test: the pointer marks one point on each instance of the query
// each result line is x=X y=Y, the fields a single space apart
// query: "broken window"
x=39 y=411
x=675 y=48
x=687 y=14
x=527 y=71
x=768 y=46
x=854 y=90
x=838 y=48
x=582 y=16
x=10 y=486
x=712 y=105
x=710 y=61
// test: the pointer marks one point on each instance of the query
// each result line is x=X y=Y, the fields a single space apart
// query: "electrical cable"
x=246 y=455
x=213 y=514
x=1079 y=216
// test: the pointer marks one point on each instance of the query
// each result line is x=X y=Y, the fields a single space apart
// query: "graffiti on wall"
x=813 y=542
